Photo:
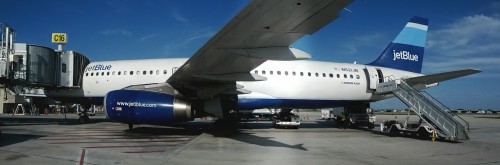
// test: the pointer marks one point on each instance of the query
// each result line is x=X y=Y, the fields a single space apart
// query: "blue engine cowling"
x=146 y=107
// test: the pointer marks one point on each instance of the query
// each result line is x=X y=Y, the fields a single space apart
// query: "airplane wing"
x=262 y=31
x=435 y=78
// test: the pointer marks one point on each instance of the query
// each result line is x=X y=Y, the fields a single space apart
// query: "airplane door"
x=372 y=77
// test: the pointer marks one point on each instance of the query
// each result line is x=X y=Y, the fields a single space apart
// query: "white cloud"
x=177 y=16
x=185 y=41
x=147 y=37
x=470 y=42
x=478 y=34
x=454 y=64
x=121 y=32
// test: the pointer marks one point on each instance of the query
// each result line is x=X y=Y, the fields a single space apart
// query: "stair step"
x=428 y=108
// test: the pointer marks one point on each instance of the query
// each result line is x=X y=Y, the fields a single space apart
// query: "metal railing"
x=423 y=105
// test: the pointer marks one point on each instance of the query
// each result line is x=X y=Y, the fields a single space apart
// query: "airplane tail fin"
x=406 y=51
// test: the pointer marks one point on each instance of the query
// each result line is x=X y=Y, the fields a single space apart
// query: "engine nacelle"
x=145 y=107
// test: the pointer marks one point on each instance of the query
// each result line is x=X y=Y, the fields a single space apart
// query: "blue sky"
x=462 y=34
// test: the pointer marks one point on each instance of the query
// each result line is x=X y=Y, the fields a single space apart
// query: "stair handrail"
x=442 y=113
x=446 y=107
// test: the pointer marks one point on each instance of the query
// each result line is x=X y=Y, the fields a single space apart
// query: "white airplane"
x=249 y=64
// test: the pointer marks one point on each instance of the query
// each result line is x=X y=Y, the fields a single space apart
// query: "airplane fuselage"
x=289 y=84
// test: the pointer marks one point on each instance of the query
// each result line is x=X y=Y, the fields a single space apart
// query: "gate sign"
x=59 y=38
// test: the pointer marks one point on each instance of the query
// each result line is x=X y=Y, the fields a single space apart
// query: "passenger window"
x=92 y=74
x=157 y=72
x=331 y=75
x=144 y=72
x=164 y=71
x=293 y=73
x=351 y=76
x=113 y=73
x=86 y=74
x=357 y=76
x=324 y=75
x=256 y=72
x=338 y=75
x=301 y=74
x=107 y=73
x=263 y=72
x=131 y=72
x=316 y=74
x=102 y=73
x=286 y=73
x=150 y=72
x=309 y=74
x=279 y=72
x=271 y=72
x=119 y=72
x=137 y=72
x=345 y=75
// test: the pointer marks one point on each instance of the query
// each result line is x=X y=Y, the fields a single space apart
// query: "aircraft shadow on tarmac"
x=9 y=139
x=250 y=138
x=12 y=121
x=208 y=128
x=268 y=124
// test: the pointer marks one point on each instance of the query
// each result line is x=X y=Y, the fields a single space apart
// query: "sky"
x=462 y=34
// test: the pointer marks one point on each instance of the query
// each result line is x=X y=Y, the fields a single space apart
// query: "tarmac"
x=55 y=140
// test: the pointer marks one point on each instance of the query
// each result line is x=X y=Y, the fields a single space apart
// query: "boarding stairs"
x=445 y=123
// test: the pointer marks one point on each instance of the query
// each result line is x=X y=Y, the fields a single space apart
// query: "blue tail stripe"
x=411 y=36
x=419 y=20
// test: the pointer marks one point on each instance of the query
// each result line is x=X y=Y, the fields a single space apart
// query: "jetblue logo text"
x=404 y=55
x=99 y=67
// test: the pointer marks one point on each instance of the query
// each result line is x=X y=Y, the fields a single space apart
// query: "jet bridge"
x=27 y=69
x=429 y=109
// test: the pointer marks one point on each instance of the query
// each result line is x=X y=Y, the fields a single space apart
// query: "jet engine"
x=146 y=107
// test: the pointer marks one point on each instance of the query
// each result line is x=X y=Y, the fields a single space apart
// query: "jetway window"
x=63 y=68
